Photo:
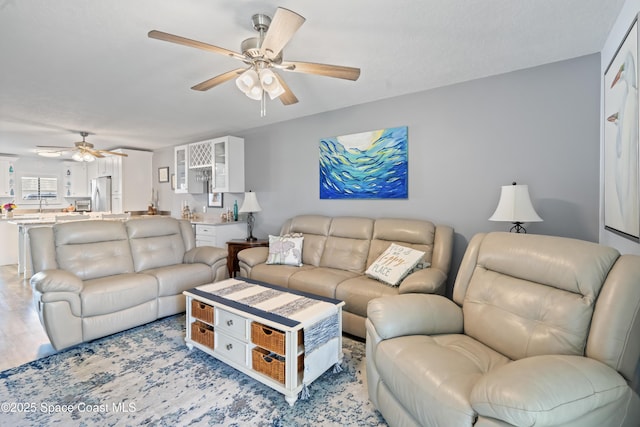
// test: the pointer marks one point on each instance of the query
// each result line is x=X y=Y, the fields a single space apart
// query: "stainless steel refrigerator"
x=101 y=194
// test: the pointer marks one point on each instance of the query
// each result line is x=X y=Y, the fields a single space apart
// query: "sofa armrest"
x=56 y=281
x=426 y=281
x=205 y=254
x=414 y=314
x=547 y=390
x=253 y=256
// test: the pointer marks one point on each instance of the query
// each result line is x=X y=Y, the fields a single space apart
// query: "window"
x=37 y=188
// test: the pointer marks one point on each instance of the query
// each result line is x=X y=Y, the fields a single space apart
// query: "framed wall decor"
x=367 y=165
x=163 y=174
x=621 y=129
x=214 y=200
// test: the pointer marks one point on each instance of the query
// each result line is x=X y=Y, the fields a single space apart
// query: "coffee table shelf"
x=230 y=322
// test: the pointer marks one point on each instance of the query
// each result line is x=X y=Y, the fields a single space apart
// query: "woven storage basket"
x=272 y=365
x=202 y=311
x=202 y=333
x=269 y=338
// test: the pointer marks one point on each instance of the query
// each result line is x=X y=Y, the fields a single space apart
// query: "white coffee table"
x=219 y=322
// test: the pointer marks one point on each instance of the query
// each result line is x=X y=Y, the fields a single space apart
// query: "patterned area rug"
x=147 y=376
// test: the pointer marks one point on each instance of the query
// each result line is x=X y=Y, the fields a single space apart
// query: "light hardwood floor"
x=22 y=338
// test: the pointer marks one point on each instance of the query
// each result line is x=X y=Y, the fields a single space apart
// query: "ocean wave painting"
x=367 y=165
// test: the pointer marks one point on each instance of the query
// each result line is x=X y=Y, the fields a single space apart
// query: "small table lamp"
x=250 y=205
x=515 y=207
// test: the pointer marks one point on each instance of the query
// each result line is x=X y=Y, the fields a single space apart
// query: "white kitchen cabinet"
x=7 y=176
x=104 y=166
x=219 y=234
x=75 y=179
x=228 y=165
x=186 y=180
x=131 y=180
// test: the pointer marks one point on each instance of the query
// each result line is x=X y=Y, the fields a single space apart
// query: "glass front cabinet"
x=185 y=181
x=228 y=165
x=213 y=166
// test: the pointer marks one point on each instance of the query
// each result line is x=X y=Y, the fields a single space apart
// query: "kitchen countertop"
x=214 y=222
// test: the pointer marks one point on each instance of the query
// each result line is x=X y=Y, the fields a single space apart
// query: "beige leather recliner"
x=542 y=331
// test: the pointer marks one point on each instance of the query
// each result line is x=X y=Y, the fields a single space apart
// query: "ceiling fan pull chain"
x=263 y=105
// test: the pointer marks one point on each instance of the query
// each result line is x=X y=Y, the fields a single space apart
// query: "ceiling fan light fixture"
x=77 y=156
x=247 y=81
x=270 y=83
x=255 y=93
x=87 y=157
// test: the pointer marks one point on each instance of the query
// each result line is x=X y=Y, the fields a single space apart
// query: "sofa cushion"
x=115 y=293
x=285 y=249
x=175 y=279
x=394 y=264
x=93 y=260
x=357 y=292
x=320 y=281
x=92 y=249
x=542 y=290
x=449 y=366
x=412 y=233
x=315 y=229
x=276 y=274
x=155 y=242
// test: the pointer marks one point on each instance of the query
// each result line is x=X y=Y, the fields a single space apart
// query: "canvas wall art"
x=367 y=165
x=621 y=124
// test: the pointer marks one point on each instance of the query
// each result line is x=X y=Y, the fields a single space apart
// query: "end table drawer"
x=231 y=324
x=231 y=348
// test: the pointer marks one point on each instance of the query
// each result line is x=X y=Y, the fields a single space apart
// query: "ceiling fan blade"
x=219 y=79
x=54 y=147
x=159 y=35
x=94 y=153
x=284 y=25
x=112 y=152
x=287 y=97
x=337 y=71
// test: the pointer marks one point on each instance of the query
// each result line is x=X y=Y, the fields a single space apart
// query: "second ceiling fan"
x=262 y=55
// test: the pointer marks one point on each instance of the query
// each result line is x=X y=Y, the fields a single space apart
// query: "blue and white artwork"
x=367 y=165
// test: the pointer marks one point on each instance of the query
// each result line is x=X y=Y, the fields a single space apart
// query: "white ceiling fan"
x=263 y=55
x=83 y=151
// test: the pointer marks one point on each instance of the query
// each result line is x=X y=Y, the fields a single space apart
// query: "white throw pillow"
x=394 y=264
x=285 y=249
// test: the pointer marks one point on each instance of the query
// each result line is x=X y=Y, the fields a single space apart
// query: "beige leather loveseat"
x=542 y=331
x=338 y=250
x=95 y=278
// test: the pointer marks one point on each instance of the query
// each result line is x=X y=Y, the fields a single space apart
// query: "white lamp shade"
x=250 y=203
x=255 y=93
x=247 y=80
x=515 y=205
x=270 y=83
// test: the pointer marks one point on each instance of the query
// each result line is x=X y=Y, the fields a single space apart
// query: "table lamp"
x=515 y=207
x=250 y=205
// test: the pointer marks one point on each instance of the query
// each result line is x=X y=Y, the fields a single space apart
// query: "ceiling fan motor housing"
x=251 y=48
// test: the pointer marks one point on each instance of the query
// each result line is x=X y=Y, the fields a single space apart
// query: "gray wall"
x=537 y=126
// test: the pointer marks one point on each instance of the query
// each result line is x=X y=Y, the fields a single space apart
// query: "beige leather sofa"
x=542 y=331
x=337 y=251
x=95 y=278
